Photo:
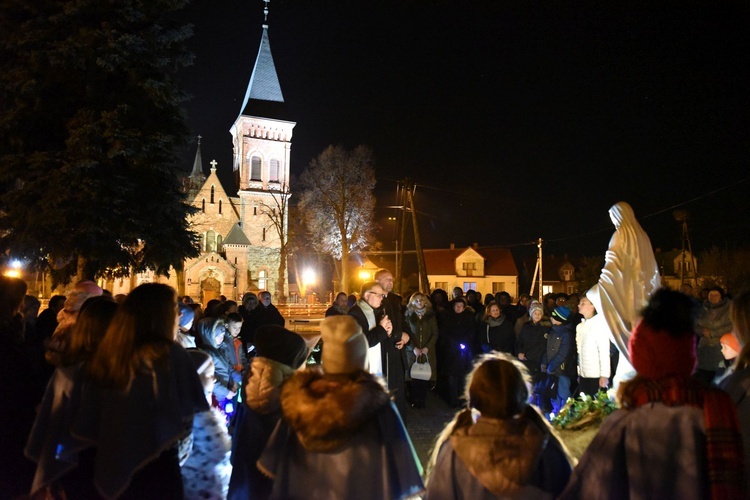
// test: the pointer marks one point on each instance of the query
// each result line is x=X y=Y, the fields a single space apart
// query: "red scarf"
x=723 y=440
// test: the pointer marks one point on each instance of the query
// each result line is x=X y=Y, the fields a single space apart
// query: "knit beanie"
x=281 y=345
x=730 y=340
x=344 y=345
x=657 y=354
x=561 y=313
x=535 y=306
x=186 y=315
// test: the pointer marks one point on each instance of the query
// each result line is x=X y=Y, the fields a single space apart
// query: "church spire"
x=197 y=163
x=264 y=83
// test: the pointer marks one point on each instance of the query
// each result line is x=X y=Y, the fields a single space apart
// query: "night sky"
x=517 y=120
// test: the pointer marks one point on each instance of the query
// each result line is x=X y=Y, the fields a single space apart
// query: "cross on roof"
x=213 y=164
x=199 y=139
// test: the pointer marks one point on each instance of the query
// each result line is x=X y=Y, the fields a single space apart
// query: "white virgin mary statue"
x=629 y=277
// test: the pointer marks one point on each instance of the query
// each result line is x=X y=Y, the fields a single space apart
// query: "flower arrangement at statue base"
x=579 y=420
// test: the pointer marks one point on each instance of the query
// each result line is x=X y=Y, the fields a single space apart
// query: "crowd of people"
x=152 y=396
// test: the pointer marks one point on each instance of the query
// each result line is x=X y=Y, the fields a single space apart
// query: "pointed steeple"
x=198 y=163
x=263 y=96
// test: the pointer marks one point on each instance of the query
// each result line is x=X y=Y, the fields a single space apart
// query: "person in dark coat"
x=20 y=392
x=385 y=349
x=499 y=447
x=339 y=306
x=495 y=332
x=457 y=337
x=265 y=313
x=532 y=341
x=560 y=358
x=393 y=307
x=340 y=435
x=279 y=354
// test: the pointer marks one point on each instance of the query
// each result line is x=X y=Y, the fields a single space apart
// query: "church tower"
x=261 y=137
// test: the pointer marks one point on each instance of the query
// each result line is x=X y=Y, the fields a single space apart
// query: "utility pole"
x=424 y=284
x=538 y=272
x=402 y=230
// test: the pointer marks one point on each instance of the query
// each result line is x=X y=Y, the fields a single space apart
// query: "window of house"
x=443 y=285
x=273 y=173
x=470 y=285
x=255 y=168
x=547 y=289
x=262 y=280
x=567 y=274
x=498 y=286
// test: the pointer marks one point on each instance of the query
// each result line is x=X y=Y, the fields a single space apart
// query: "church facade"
x=240 y=236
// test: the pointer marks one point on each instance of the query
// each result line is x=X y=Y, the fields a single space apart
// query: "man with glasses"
x=396 y=354
x=376 y=326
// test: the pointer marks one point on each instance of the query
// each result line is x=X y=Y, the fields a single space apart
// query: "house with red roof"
x=486 y=269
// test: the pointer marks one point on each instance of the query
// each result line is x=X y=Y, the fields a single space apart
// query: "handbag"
x=421 y=370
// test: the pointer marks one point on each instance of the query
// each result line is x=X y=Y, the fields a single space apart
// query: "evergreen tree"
x=338 y=203
x=90 y=122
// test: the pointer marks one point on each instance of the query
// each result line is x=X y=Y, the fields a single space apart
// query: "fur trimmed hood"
x=326 y=410
x=263 y=387
x=501 y=454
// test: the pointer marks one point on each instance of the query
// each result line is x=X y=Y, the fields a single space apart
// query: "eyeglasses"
x=381 y=295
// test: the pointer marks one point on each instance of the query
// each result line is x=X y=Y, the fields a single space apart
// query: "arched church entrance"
x=210 y=289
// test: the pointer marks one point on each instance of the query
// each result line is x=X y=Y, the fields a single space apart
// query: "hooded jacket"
x=262 y=413
x=340 y=437
x=507 y=458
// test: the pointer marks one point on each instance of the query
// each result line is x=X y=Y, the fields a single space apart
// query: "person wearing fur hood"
x=280 y=353
x=340 y=435
x=500 y=446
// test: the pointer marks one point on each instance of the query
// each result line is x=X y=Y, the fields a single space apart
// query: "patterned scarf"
x=723 y=440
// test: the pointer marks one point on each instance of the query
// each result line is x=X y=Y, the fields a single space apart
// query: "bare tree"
x=277 y=211
x=338 y=204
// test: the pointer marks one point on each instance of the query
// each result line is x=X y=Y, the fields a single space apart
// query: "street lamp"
x=14 y=271
x=308 y=279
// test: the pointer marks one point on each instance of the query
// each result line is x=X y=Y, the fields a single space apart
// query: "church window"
x=219 y=206
x=255 y=210
x=255 y=168
x=262 y=280
x=264 y=234
x=219 y=241
x=210 y=241
x=203 y=205
x=212 y=195
x=273 y=174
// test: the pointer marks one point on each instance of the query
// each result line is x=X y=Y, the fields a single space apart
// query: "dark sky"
x=517 y=119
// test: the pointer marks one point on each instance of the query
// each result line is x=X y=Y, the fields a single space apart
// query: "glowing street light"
x=14 y=271
x=308 y=279
x=364 y=274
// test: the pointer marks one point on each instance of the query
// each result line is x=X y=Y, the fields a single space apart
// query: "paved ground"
x=425 y=424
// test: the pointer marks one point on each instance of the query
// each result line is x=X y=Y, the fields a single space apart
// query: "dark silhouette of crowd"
x=150 y=395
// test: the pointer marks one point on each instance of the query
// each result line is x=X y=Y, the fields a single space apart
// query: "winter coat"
x=592 y=339
x=532 y=342
x=653 y=451
x=737 y=385
x=340 y=438
x=494 y=458
x=423 y=333
x=206 y=472
x=496 y=337
x=560 y=357
x=459 y=330
x=715 y=319
x=260 y=316
x=262 y=392
x=226 y=374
